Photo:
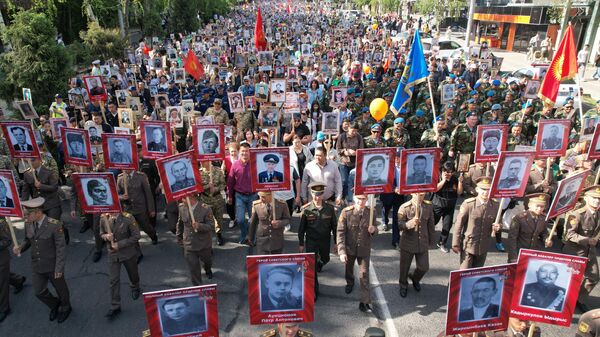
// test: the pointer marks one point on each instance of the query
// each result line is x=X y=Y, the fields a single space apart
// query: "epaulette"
x=122 y=174
x=472 y=199
x=304 y=333
x=256 y=202
x=306 y=205
x=349 y=208
x=472 y=165
x=127 y=215
x=427 y=202
x=269 y=333
x=53 y=221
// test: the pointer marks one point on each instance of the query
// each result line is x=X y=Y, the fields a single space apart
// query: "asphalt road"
x=336 y=314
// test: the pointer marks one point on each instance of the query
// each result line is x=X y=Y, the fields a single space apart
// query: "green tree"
x=441 y=8
x=103 y=43
x=183 y=16
x=35 y=61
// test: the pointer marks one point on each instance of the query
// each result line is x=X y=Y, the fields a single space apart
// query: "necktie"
x=270 y=176
x=269 y=209
x=37 y=226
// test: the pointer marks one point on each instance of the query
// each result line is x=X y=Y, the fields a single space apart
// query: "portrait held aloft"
x=156 y=141
x=209 y=142
x=281 y=288
x=120 y=151
x=422 y=170
x=10 y=205
x=179 y=175
x=77 y=147
x=97 y=192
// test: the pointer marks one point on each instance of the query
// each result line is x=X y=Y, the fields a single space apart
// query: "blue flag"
x=415 y=72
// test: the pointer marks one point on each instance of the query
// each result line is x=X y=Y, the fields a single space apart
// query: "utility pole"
x=470 y=23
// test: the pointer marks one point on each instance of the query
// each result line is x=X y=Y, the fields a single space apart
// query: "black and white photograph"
x=512 y=174
x=122 y=98
x=95 y=87
x=209 y=141
x=552 y=137
x=119 y=150
x=268 y=116
x=278 y=88
x=57 y=125
x=27 y=110
x=187 y=107
x=236 y=102
x=179 y=75
x=545 y=285
x=96 y=191
x=95 y=132
x=281 y=287
x=76 y=145
x=375 y=169
x=306 y=50
x=182 y=315
x=6 y=196
x=156 y=138
x=448 y=93
x=532 y=89
x=135 y=105
x=262 y=92
x=126 y=118
x=480 y=297
x=180 y=174
x=174 y=116
x=419 y=169
x=330 y=123
x=568 y=194
x=491 y=142
x=589 y=125
x=20 y=139
x=161 y=101
x=292 y=74
x=269 y=167
x=76 y=101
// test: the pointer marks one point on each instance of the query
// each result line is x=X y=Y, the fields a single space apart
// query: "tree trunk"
x=126 y=19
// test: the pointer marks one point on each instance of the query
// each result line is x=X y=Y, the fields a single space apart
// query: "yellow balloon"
x=375 y=26
x=367 y=69
x=378 y=108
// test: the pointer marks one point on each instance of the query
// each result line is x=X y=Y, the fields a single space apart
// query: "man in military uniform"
x=6 y=277
x=462 y=139
x=212 y=197
x=416 y=125
x=397 y=136
x=269 y=218
x=196 y=231
x=525 y=118
x=217 y=112
x=244 y=120
x=544 y=293
x=122 y=234
x=589 y=324
x=365 y=122
x=553 y=142
x=419 y=174
x=593 y=112
x=474 y=226
x=528 y=228
x=375 y=139
x=370 y=92
x=415 y=220
x=354 y=232
x=44 y=235
x=583 y=232
x=437 y=137
x=513 y=180
x=134 y=192
x=41 y=182
x=449 y=116
x=286 y=330
x=179 y=171
x=515 y=138
x=492 y=116
x=538 y=182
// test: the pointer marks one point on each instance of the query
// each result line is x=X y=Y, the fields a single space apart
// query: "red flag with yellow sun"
x=563 y=66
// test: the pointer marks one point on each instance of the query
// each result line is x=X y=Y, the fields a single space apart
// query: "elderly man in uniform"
x=269 y=217
x=474 y=226
x=415 y=220
x=354 y=234
x=544 y=293
x=583 y=232
x=137 y=198
x=44 y=235
x=197 y=237
x=179 y=171
x=270 y=175
x=528 y=228
x=122 y=234
x=213 y=180
x=286 y=330
x=538 y=182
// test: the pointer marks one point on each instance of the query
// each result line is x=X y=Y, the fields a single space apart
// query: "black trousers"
x=444 y=211
x=321 y=249
x=40 y=287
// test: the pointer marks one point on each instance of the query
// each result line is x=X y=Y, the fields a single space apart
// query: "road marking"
x=382 y=303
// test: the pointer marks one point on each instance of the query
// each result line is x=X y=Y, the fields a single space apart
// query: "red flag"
x=563 y=66
x=193 y=66
x=260 y=42
x=386 y=64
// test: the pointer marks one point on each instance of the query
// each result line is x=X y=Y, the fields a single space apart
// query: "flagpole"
x=437 y=134
x=580 y=99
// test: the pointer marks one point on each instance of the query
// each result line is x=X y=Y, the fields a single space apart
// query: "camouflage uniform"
x=489 y=118
x=416 y=126
x=216 y=201
x=486 y=105
x=529 y=129
x=364 y=127
x=451 y=123
x=513 y=141
x=574 y=118
x=219 y=117
x=428 y=140
x=49 y=162
x=397 y=139
x=426 y=109
x=4 y=147
x=369 y=94
x=462 y=139
x=595 y=112
x=245 y=121
x=371 y=142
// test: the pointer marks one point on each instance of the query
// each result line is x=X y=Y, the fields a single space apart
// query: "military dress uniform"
x=197 y=242
x=47 y=190
x=122 y=250
x=416 y=238
x=269 y=237
x=475 y=172
x=275 y=333
x=527 y=231
x=215 y=201
x=536 y=178
x=462 y=139
x=140 y=201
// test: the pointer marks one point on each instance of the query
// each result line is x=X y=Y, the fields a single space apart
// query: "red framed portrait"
x=374 y=170
x=95 y=88
x=20 y=139
x=57 y=125
x=97 y=192
x=552 y=137
x=510 y=178
x=270 y=169
x=179 y=175
x=119 y=151
x=77 y=147
x=202 y=315
x=567 y=194
x=156 y=139
x=10 y=205
x=270 y=307
x=547 y=286
x=479 y=299
x=420 y=170
x=491 y=140
x=209 y=142
x=594 y=150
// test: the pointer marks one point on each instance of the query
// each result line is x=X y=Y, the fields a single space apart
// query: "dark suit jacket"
x=468 y=314
x=288 y=303
x=48 y=190
x=263 y=177
x=9 y=203
x=28 y=147
x=157 y=147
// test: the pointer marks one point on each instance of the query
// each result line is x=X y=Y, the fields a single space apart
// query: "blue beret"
x=450 y=106
x=387 y=94
x=476 y=85
x=171 y=82
x=397 y=70
x=365 y=109
x=598 y=101
x=320 y=135
x=471 y=113
x=452 y=76
x=376 y=127
x=473 y=92
x=350 y=90
x=526 y=105
x=420 y=113
x=358 y=94
x=471 y=101
x=426 y=96
x=398 y=120
x=491 y=93
x=496 y=82
x=496 y=107
x=369 y=76
x=438 y=118
x=132 y=88
x=205 y=91
x=461 y=86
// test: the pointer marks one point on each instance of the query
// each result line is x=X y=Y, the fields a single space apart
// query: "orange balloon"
x=367 y=69
x=378 y=108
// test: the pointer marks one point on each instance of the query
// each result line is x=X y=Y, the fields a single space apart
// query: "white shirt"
x=479 y=312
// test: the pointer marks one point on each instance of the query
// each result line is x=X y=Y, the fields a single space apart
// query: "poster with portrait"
x=491 y=140
x=546 y=286
x=183 y=312
x=126 y=118
x=175 y=117
x=20 y=139
x=179 y=175
x=448 y=93
x=281 y=288
x=278 y=88
x=77 y=147
x=94 y=132
x=236 y=102
x=119 y=151
x=187 y=107
x=10 y=205
x=532 y=89
x=250 y=103
x=209 y=142
x=135 y=104
x=292 y=102
x=121 y=131
x=306 y=50
x=464 y=160
x=375 y=170
x=589 y=126
x=97 y=192
x=330 y=123
x=510 y=177
x=479 y=299
x=121 y=96
x=156 y=139
x=76 y=101
x=422 y=170
x=268 y=116
x=261 y=92
x=179 y=75
x=338 y=96
x=552 y=137
x=57 y=125
x=594 y=147
x=95 y=88
x=161 y=102
x=292 y=74
x=270 y=169
x=26 y=94
x=204 y=120
x=567 y=194
x=27 y=110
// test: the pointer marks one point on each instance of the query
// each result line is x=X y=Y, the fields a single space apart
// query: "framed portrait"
x=375 y=170
x=594 y=147
x=27 y=110
x=510 y=177
x=95 y=88
x=491 y=140
x=135 y=105
x=119 y=151
x=94 y=132
x=589 y=126
x=97 y=192
x=268 y=116
x=183 y=311
x=338 y=96
x=552 y=137
x=121 y=96
x=156 y=139
x=179 y=75
x=179 y=175
x=261 y=92
x=278 y=89
x=175 y=117
x=292 y=74
x=422 y=170
x=209 y=142
x=279 y=72
x=126 y=116
x=236 y=102
x=546 y=286
x=270 y=169
x=270 y=303
x=567 y=194
x=330 y=124
x=77 y=147
x=239 y=60
x=464 y=161
x=448 y=92
x=76 y=101
x=292 y=102
x=105 y=71
x=20 y=139
x=121 y=131
x=161 y=101
x=250 y=103
x=204 y=120
x=187 y=107
x=57 y=125
x=532 y=89
x=10 y=205
x=474 y=52
x=26 y=94
x=479 y=299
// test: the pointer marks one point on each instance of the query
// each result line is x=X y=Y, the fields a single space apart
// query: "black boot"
x=67 y=236
x=220 y=240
